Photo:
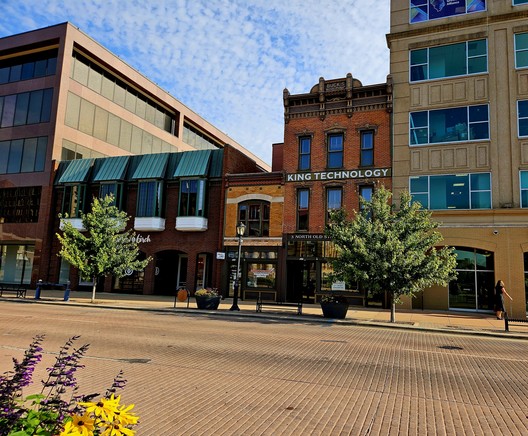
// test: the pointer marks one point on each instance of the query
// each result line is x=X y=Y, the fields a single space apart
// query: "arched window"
x=255 y=215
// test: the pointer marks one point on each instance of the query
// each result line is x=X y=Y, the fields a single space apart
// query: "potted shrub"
x=334 y=306
x=207 y=299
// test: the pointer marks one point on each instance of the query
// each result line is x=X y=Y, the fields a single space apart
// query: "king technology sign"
x=340 y=175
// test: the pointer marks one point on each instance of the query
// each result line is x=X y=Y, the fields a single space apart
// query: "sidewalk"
x=452 y=322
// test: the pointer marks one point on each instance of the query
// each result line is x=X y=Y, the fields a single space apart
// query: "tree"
x=105 y=248
x=389 y=249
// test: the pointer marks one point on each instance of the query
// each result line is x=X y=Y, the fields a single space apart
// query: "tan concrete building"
x=62 y=97
x=460 y=132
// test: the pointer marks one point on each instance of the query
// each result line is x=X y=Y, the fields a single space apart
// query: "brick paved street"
x=202 y=375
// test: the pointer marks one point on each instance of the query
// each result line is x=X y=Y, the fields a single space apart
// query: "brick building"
x=257 y=200
x=336 y=148
x=64 y=97
x=176 y=204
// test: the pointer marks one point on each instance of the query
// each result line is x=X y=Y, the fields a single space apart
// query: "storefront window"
x=261 y=275
x=16 y=263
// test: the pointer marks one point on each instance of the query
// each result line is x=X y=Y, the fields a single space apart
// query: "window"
x=520 y=2
x=73 y=202
x=367 y=148
x=115 y=189
x=452 y=191
x=424 y=10
x=469 y=123
x=522 y=118
x=334 y=200
x=26 y=108
x=521 y=50
x=255 y=215
x=524 y=188
x=23 y=155
x=20 y=205
x=28 y=67
x=150 y=199
x=335 y=151
x=365 y=192
x=192 y=197
x=305 y=145
x=303 y=204
x=261 y=275
x=470 y=57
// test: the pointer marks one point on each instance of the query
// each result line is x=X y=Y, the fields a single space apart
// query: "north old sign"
x=340 y=175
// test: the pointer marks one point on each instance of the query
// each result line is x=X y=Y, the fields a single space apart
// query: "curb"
x=287 y=317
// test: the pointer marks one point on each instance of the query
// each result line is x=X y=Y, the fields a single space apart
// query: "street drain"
x=450 y=347
x=135 y=360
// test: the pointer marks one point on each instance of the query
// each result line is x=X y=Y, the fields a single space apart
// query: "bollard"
x=37 y=291
x=67 y=291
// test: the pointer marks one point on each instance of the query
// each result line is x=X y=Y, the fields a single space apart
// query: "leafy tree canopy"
x=105 y=247
x=389 y=249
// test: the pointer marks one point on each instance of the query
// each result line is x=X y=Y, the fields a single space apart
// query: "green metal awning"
x=151 y=166
x=193 y=163
x=77 y=171
x=217 y=162
x=112 y=168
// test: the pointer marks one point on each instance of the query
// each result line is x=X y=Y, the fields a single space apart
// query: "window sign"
x=424 y=10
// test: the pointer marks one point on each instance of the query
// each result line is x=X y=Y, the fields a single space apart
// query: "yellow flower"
x=83 y=424
x=105 y=408
x=116 y=429
x=123 y=417
x=70 y=430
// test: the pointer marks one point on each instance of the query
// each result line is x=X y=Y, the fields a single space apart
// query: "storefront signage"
x=423 y=10
x=306 y=237
x=140 y=239
x=339 y=175
x=338 y=286
x=220 y=255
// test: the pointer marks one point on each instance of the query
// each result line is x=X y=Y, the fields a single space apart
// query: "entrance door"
x=473 y=289
x=301 y=280
x=169 y=272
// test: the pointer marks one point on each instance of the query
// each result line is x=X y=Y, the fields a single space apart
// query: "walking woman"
x=500 y=291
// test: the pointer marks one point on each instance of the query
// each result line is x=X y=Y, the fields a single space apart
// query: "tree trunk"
x=93 y=289
x=393 y=308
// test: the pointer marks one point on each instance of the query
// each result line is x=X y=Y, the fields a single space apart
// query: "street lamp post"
x=240 y=230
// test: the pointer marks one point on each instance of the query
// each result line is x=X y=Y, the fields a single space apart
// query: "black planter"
x=207 y=303
x=334 y=310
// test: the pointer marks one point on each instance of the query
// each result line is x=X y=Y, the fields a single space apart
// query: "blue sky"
x=228 y=60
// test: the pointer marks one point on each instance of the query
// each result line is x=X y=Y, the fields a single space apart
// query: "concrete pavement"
x=448 y=321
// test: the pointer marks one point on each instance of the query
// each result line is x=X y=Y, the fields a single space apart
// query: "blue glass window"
x=452 y=191
x=192 y=197
x=524 y=188
x=335 y=151
x=522 y=117
x=303 y=205
x=150 y=198
x=305 y=145
x=452 y=60
x=367 y=148
x=521 y=50
x=468 y=123
x=424 y=10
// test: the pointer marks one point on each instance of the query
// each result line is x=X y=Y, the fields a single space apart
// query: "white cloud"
x=228 y=60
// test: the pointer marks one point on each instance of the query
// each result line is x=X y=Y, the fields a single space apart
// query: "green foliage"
x=389 y=249
x=105 y=248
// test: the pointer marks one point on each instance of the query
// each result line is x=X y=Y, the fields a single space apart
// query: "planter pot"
x=334 y=310
x=207 y=303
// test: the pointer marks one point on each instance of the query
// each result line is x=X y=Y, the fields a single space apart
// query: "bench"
x=278 y=304
x=19 y=289
x=508 y=321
